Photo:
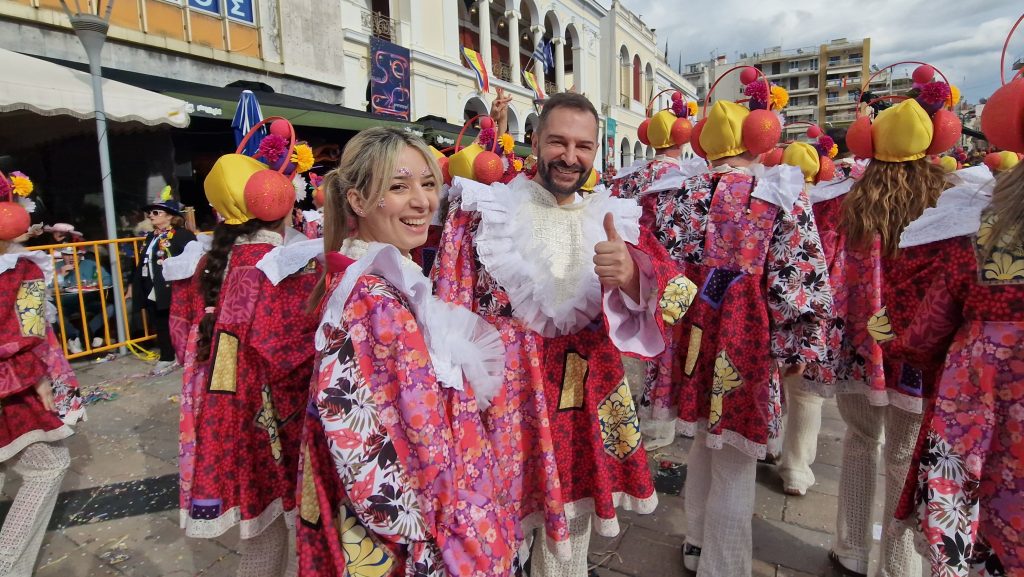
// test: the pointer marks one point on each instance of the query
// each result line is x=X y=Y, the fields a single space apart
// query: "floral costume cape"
x=398 y=476
x=748 y=239
x=29 y=354
x=564 y=426
x=238 y=461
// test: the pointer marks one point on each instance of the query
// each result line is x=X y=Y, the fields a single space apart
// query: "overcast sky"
x=963 y=38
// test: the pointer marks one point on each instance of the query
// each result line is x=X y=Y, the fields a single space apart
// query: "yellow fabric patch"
x=805 y=157
x=677 y=298
x=574 y=379
x=902 y=133
x=30 y=307
x=224 y=373
x=620 y=426
x=693 y=350
x=880 y=328
x=726 y=380
x=363 y=557
x=309 y=509
x=266 y=419
x=722 y=134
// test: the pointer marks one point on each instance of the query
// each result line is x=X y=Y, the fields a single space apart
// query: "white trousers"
x=800 y=443
x=546 y=564
x=42 y=467
x=865 y=425
x=719 y=508
x=266 y=554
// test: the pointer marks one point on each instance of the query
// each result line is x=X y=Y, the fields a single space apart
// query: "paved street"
x=117 y=514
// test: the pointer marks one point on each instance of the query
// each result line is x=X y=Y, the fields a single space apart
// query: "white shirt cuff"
x=632 y=326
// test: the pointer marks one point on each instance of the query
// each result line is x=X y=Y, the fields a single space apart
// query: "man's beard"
x=544 y=172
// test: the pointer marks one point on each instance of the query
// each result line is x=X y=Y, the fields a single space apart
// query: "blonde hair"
x=1007 y=212
x=367 y=166
x=887 y=198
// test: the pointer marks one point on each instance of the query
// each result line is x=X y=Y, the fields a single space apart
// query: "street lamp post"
x=91 y=30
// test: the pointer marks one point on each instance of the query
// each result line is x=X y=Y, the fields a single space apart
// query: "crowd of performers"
x=428 y=381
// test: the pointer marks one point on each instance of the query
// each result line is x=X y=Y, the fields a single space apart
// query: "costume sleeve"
x=454 y=273
x=282 y=330
x=799 y=297
x=182 y=236
x=23 y=324
x=183 y=313
x=641 y=329
x=396 y=455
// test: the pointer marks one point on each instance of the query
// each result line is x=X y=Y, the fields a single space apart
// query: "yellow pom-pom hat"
x=15 y=205
x=241 y=188
x=480 y=160
x=729 y=128
x=814 y=159
x=918 y=125
x=667 y=128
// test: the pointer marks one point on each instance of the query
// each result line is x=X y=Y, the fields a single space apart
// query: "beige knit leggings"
x=42 y=467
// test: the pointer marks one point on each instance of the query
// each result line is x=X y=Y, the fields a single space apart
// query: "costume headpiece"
x=15 y=205
x=1002 y=120
x=592 y=180
x=1002 y=161
x=490 y=159
x=670 y=127
x=729 y=128
x=241 y=188
x=921 y=123
x=814 y=159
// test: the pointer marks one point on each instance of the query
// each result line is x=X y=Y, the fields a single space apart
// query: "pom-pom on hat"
x=490 y=159
x=814 y=159
x=920 y=124
x=1002 y=161
x=729 y=128
x=241 y=188
x=1002 y=120
x=15 y=205
x=670 y=127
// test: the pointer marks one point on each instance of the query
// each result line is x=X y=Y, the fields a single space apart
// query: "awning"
x=50 y=89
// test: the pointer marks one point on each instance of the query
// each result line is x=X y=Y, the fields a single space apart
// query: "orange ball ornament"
x=761 y=131
x=445 y=174
x=947 y=131
x=1002 y=120
x=827 y=170
x=487 y=167
x=748 y=75
x=14 y=220
x=695 y=138
x=318 y=196
x=641 y=132
x=269 y=195
x=858 y=138
x=773 y=157
x=993 y=160
x=681 y=131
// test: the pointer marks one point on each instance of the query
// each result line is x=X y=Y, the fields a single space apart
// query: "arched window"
x=637 y=73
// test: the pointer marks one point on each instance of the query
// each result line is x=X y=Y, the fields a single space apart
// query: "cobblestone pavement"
x=117 y=514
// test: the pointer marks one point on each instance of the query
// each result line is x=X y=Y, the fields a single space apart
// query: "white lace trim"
x=461 y=344
x=248 y=528
x=284 y=261
x=731 y=438
x=9 y=260
x=624 y=172
x=829 y=190
x=536 y=520
x=184 y=265
x=507 y=246
x=261 y=236
x=956 y=213
x=610 y=527
x=878 y=398
x=292 y=236
x=34 y=436
x=780 y=185
x=973 y=176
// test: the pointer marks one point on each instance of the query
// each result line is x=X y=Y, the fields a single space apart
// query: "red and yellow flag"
x=476 y=64
x=532 y=81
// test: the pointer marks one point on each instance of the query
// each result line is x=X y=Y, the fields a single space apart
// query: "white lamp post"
x=91 y=30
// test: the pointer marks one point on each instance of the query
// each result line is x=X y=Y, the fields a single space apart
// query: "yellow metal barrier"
x=80 y=292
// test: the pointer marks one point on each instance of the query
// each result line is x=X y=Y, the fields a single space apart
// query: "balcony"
x=380 y=25
x=503 y=70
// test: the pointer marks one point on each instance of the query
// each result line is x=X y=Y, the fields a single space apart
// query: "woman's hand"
x=45 y=391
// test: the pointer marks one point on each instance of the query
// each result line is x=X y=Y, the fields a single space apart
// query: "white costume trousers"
x=546 y=564
x=42 y=467
x=800 y=443
x=719 y=508
x=266 y=554
x=865 y=426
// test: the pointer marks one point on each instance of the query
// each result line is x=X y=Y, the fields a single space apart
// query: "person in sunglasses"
x=149 y=290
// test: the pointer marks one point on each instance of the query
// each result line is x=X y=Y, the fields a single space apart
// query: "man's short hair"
x=572 y=100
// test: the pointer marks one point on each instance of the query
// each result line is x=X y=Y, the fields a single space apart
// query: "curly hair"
x=1007 y=210
x=214 y=266
x=887 y=198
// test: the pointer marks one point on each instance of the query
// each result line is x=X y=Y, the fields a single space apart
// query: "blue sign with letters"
x=209 y=6
x=241 y=10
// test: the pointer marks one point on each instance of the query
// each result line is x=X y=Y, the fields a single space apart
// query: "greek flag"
x=542 y=53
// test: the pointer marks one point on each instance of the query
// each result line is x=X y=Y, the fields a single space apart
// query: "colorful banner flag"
x=390 y=82
x=476 y=63
x=531 y=80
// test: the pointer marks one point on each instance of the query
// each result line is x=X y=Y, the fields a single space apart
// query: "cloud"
x=963 y=38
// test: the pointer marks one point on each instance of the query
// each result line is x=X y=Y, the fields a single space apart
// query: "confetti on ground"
x=116 y=554
x=96 y=393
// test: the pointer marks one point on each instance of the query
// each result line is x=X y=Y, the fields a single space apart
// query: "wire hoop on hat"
x=895 y=97
x=465 y=126
x=1002 y=57
x=650 y=104
x=291 y=141
x=761 y=77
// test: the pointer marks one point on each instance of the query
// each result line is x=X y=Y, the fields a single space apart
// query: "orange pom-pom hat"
x=814 y=159
x=14 y=217
x=667 y=128
x=1002 y=121
x=728 y=129
x=922 y=122
x=482 y=160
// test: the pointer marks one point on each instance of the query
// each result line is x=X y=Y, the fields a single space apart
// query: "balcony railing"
x=380 y=25
x=502 y=70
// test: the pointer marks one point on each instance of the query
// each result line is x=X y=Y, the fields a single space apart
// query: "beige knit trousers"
x=864 y=433
x=546 y=564
x=266 y=554
x=719 y=507
x=800 y=442
x=42 y=467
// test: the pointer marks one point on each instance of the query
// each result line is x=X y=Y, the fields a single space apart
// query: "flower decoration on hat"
x=241 y=188
x=15 y=204
x=488 y=160
x=668 y=128
x=919 y=125
x=1002 y=120
x=730 y=128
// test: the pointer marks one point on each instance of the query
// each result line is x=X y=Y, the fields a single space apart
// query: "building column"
x=557 y=46
x=483 y=13
x=512 y=18
x=538 y=66
x=577 y=68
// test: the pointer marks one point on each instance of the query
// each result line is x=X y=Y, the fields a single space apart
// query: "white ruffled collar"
x=9 y=260
x=956 y=213
x=184 y=265
x=461 y=344
x=507 y=247
x=829 y=190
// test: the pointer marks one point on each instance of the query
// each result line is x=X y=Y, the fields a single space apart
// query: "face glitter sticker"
x=403 y=172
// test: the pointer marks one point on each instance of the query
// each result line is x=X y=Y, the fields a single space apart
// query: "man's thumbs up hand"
x=613 y=264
